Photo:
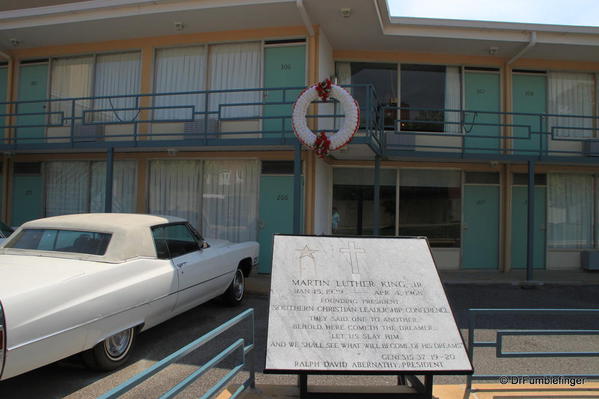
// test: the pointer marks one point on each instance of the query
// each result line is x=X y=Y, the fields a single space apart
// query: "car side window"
x=174 y=240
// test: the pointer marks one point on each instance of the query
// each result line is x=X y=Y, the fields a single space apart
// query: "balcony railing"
x=240 y=117
x=262 y=117
x=465 y=133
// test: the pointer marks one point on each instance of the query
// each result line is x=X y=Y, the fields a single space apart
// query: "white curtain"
x=70 y=78
x=570 y=210
x=230 y=199
x=235 y=66
x=176 y=190
x=67 y=187
x=124 y=186
x=116 y=74
x=343 y=71
x=180 y=70
x=453 y=96
x=570 y=93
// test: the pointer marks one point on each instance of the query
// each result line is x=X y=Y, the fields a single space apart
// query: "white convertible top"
x=131 y=234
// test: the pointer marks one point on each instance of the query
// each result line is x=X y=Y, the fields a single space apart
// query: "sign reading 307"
x=360 y=304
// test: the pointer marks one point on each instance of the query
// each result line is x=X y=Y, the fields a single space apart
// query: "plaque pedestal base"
x=415 y=390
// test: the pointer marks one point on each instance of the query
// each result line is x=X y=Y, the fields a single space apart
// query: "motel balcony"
x=486 y=135
x=257 y=119
x=260 y=119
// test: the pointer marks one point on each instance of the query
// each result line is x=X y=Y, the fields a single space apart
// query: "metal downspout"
x=532 y=42
x=305 y=17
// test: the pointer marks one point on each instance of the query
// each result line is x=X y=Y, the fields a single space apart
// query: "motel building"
x=183 y=107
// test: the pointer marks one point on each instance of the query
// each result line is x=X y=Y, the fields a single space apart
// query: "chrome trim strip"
x=110 y=315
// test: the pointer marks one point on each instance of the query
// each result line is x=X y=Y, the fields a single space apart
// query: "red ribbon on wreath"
x=324 y=89
x=321 y=145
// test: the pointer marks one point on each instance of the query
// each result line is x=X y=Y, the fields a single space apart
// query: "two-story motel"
x=183 y=107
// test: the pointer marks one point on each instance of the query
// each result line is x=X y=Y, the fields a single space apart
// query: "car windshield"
x=83 y=242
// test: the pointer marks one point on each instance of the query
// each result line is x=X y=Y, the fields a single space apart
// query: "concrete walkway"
x=480 y=391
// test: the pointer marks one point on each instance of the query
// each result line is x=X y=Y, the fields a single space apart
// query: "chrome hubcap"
x=238 y=285
x=116 y=347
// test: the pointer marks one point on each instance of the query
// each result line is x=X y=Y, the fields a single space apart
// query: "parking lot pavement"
x=69 y=379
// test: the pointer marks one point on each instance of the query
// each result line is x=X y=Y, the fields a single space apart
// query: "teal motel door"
x=480 y=237
x=529 y=94
x=481 y=129
x=276 y=214
x=284 y=66
x=3 y=92
x=519 y=223
x=33 y=85
x=27 y=193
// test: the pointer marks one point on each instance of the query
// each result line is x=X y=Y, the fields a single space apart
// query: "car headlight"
x=2 y=339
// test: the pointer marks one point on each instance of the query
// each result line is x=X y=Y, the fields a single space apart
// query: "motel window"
x=217 y=68
x=79 y=186
x=570 y=210
x=95 y=76
x=353 y=201
x=430 y=98
x=217 y=197
x=570 y=93
x=430 y=205
x=383 y=77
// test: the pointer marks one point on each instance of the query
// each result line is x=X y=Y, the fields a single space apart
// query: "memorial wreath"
x=321 y=143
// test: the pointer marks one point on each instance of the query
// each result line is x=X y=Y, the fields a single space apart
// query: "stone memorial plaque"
x=360 y=304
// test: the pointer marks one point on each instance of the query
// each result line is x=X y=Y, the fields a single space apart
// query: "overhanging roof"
x=369 y=27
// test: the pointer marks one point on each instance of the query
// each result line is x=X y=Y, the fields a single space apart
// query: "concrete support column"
x=297 y=188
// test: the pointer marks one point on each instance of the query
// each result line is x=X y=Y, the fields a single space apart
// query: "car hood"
x=20 y=274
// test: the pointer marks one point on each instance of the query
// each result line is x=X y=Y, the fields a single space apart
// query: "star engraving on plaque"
x=307 y=262
x=306 y=251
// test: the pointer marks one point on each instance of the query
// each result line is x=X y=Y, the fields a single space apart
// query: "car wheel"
x=111 y=353
x=236 y=291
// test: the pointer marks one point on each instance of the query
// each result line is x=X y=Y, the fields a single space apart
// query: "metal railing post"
x=471 y=315
x=252 y=358
x=72 y=130
x=109 y=179
x=377 y=195
x=530 y=239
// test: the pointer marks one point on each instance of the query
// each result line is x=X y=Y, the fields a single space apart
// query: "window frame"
x=194 y=233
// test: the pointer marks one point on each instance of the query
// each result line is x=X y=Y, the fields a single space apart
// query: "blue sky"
x=554 y=12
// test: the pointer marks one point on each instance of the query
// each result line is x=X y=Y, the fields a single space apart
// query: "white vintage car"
x=89 y=283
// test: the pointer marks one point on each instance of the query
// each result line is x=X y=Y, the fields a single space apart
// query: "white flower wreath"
x=343 y=135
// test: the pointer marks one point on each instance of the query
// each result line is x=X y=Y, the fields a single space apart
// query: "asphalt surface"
x=71 y=380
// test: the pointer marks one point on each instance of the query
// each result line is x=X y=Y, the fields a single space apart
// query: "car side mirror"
x=205 y=245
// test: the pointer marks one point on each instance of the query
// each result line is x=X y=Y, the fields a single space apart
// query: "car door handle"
x=181 y=264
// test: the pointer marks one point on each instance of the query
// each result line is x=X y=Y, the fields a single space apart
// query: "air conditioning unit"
x=590 y=148
x=88 y=133
x=401 y=141
x=589 y=260
x=201 y=129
